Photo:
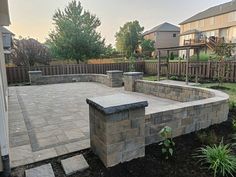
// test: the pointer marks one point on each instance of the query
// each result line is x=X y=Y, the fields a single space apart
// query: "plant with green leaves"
x=234 y=125
x=128 y=38
x=223 y=51
x=167 y=143
x=75 y=35
x=219 y=159
x=232 y=105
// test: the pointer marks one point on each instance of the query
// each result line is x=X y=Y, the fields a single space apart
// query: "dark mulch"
x=183 y=163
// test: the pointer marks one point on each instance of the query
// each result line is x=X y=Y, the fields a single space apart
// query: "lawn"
x=229 y=88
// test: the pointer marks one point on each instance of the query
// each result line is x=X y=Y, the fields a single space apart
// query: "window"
x=174 y=35
x=212 y=20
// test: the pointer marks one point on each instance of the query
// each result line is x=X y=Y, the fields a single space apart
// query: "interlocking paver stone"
x=74 y=164
x=50 y=116
x=41 y=171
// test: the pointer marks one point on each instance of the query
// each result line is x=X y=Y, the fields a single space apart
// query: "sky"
x=33 y=18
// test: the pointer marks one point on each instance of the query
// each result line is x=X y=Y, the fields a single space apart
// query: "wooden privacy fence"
x=206 y=70
x=20 y=74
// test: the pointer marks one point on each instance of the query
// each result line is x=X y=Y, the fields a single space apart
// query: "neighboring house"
x=164 y=35
x=212 y=25
x=4 y=138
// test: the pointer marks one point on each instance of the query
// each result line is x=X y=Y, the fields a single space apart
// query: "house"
x=4 y=140
x=213 y=25
x=164 y=35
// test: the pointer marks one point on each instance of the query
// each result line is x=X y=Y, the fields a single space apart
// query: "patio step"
x=74 y=164
x=41 y=171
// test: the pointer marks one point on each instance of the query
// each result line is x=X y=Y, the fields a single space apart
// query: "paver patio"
x=52 y=120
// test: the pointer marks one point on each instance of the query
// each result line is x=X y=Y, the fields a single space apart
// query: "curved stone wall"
x=199 y=109
x=174 y=92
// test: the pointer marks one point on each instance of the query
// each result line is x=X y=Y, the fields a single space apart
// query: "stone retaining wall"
x=112 y=79
x=200 y=108
x=174 y=92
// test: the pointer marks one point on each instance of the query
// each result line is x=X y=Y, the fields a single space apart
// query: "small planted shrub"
x=207 y=138
x=234 y=125
x=219 y=159
x=232 y=105
x=167 y=143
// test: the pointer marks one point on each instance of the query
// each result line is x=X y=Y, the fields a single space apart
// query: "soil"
x=182 y=164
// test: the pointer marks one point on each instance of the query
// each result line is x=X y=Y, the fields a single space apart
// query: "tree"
x=223 y=51
x=28 y=52
x=75 y=36
x=148 y=47
x=129 y=37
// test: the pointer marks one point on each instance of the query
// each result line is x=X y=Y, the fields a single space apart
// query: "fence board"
x=206 y=70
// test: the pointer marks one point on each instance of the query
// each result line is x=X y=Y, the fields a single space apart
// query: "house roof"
x=213 y=11
x=5 y=30
x=164 y=27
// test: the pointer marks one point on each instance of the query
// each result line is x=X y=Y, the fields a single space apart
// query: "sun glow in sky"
x=33 y=18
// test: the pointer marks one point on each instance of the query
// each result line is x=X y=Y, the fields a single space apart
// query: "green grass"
x=229 y=88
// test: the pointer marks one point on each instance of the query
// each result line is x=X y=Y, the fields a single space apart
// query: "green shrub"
x=167 y=143
x=219 y=158
x=234 y=125
x=207 y=138
x=232 y=105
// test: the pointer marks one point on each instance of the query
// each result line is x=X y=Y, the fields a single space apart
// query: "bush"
x=232 y=105
x=234 y=125
x=219 y=158
x=207 y=138
x=167 y=143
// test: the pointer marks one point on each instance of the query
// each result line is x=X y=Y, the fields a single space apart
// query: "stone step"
x=41 y=171
x=74 y=164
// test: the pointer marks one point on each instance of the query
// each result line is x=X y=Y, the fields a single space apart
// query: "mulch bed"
x=182 y=164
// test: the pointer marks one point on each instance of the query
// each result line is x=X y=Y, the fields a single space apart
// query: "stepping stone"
x=41 y=171
x=74 y=164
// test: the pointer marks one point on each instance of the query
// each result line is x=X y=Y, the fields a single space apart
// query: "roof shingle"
x=164 y=27
x=213 y=11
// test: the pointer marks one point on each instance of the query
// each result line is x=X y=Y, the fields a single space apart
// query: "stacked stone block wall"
x=111 y=80
x=184 y=119
x=199 y=109
x=173 y=92
x=118 y=137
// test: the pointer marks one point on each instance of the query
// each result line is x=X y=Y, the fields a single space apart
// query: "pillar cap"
x=117 y=103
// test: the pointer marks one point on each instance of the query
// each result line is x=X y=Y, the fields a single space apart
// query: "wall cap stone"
x=116 y=103
x=114 y=71
x=133 y=73
x=34 y=72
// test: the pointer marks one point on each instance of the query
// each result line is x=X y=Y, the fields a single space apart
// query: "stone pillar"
x=34 y=76
x=117 y=128
x=115 y=78
x=130 y=78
